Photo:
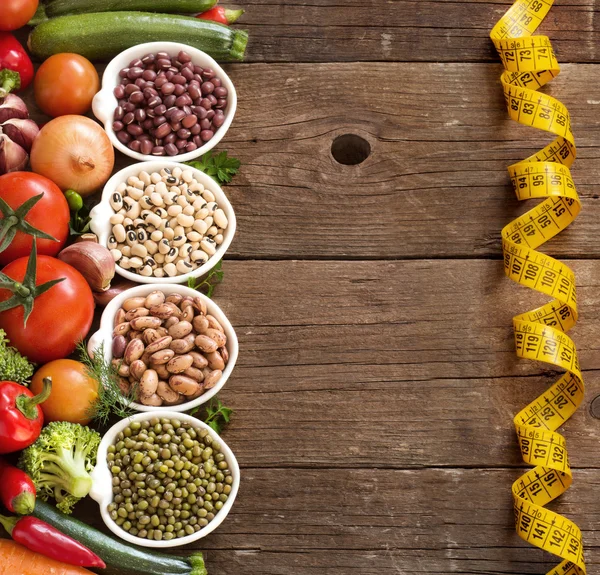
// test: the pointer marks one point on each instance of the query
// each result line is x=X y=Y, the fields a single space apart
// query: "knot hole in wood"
x=350 y=149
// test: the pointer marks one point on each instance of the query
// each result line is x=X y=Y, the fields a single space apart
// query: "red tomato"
x=61 y=316
x=16 y=13
x=50 y=214
x=66 y=84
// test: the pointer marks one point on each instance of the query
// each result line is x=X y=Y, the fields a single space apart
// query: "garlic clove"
x=12 y=106
x=21 y=131
x=12 y=156
x=93 y=261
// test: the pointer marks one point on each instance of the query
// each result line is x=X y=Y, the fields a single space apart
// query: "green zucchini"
x=122 y=557
x=61 y=7
x=102 y=35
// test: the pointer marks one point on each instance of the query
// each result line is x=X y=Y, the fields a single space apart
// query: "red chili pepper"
x=21 y=418
x=221 y=15
x=14 y=57
x=42 y=538
x=17 y=491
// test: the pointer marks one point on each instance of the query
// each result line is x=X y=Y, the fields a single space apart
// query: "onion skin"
x=117 y=287
x=75 y=153
x=13 y=158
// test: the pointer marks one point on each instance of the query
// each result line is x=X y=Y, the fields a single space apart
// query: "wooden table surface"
x=377 y=380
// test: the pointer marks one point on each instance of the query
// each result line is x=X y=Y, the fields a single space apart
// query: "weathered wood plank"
x=400 y=30
x=435 y=183
x=372 y=521
x=393 y=364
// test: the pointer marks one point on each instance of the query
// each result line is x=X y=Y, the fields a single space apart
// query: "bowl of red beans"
x=165 y=99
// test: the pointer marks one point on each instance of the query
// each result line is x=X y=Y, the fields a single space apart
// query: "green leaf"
x=208 y=284
x=220 y=167
x=216 y=414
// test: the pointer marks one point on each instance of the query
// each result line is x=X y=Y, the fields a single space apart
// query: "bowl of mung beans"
x=165 y=99
x=172 y=345
x=163 y=222
x=164 y=480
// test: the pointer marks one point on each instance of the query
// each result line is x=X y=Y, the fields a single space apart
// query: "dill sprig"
x=110 y=397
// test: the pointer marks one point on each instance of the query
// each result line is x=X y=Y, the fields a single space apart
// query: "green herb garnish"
x=217 y=414
x=80 y=214
x=220 y=167
x=208 y=284
x=110 y=397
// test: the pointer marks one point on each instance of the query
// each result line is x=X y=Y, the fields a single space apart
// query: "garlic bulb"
x=93 y=261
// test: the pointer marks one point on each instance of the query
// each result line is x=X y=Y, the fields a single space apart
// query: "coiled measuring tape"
x=529 y=63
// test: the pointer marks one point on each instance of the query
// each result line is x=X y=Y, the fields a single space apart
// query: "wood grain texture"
x=390 y=364
x=400 y=30
x=364 y=521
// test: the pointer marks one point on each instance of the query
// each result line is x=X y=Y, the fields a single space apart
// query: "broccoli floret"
x=13 y=366
x=59 y=462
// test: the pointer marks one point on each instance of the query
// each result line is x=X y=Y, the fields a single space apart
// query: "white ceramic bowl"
x=104 y=103
x=102 y=482
x=102 y=227
x=104 y=336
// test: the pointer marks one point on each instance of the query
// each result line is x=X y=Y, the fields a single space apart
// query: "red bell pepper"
x=42 y=538
x=17 y=491
x=21 y=417
x=13 y=57
x=221 y=15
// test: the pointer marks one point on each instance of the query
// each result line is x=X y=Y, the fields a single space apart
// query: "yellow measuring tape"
x=529 y=63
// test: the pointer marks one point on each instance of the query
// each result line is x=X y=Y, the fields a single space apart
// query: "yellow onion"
x=75 y=153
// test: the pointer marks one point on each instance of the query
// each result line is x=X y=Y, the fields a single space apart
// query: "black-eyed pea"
x=208 y=220
x=218 y=336
x=139 y=250
x=172 y=255
x=183 y=384
x=199 y=257
x=158 y=273
x=164 y=246
x=168 y=395
x=206 y=344
x=112 y=243
x=151 y=247
x=134 y=211
x=208 y=196
x=178 y=240
x=200 y=225
x=125 y=252
x=213 y=323
x=162 y=357
x=169 y=233
x=148 y=383
x=161 y=343
x=153 y=400
x=208 y=245
x=182 y=201
x=119 y=233
x=142 y=323
x=212 y=207
x=224 y=354
x=211 y=378
x=200 y=361
x=124 y=262
x=185 y=250
x=159 y=259
x=135 y=262
x=150 y=261
x=137 y=369
x=154 y=220
x=170 y=269
x=161 y=188
x=161 y=370
x=179 y=329
x=174 y=210
x=156 y=236
x=179 y=363
x=116 y=254
x=195 y=373
x=116 y=201
x=145 y=271
x=155 y=177
x=183 y=267
x=142 y=235
x=122 y=328
x=215 y=360
x=134 y=350
x=136 y=312
x=145 y=178
x=189 y=211
x=193 y=236
x=212 y=231
x=219 y=239
x=116 y=219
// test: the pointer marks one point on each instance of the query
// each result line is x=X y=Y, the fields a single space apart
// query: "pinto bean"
x=183 y=384
x=206 y=344
x=215 y=360
x=148 y=383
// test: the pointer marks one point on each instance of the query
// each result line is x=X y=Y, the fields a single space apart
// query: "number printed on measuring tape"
x=529 y=63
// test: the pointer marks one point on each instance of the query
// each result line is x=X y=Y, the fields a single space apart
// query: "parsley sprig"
x=217 y=415
x=220 y=167
x=208 y=284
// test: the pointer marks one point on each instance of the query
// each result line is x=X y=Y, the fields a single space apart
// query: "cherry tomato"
x=73 y=391
x=16 y=13
x=66 y=84
x=61 y=316
x=50 y=214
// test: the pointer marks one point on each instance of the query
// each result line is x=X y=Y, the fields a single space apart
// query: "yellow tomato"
x=73 y=391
